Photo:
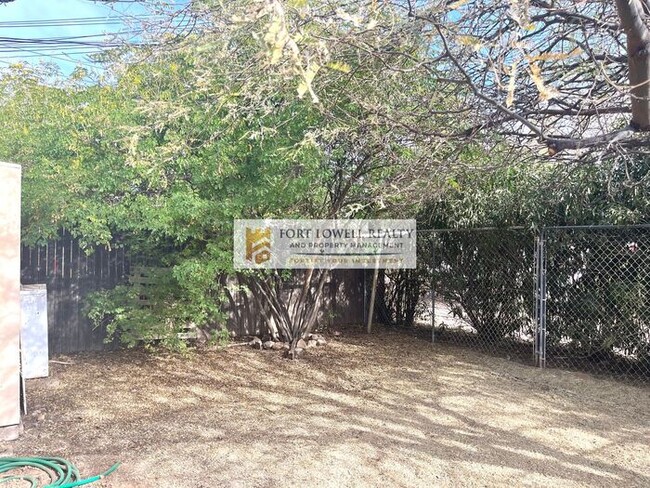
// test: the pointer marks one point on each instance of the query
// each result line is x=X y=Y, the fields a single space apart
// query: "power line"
x=62 y=42
x=180 y=23
x=76 y=21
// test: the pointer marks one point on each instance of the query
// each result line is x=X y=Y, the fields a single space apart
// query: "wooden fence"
x=70 y=275
x=342 y=303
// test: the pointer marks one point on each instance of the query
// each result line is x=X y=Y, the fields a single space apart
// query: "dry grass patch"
x=386 y=409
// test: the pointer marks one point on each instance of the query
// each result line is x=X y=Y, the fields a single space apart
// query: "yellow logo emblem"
x=258 y=244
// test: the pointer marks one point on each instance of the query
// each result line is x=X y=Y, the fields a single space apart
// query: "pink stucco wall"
x=9 y=294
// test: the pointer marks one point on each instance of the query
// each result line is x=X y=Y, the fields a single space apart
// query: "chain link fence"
x=482 y=293
x=597 y=310
x=568 y=297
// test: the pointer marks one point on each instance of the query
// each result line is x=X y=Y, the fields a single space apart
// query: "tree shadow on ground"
x=387 y=409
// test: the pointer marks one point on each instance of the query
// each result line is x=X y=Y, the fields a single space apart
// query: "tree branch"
x=556 y=145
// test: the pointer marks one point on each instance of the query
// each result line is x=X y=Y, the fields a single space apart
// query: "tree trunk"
x=633 y=15
x=373 y=293
x=290 y=321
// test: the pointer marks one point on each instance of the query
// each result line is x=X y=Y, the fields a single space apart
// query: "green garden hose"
x=62 y=473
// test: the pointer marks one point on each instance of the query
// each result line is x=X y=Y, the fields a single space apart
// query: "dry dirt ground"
x=381 y=410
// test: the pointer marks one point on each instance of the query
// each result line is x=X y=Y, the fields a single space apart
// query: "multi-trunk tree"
x=174 y=148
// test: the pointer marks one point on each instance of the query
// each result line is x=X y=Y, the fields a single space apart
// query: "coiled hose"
x=62 y=473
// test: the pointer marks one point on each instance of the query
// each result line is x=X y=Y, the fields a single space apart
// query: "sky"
x=105 y=19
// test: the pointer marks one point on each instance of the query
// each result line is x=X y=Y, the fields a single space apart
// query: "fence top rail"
x=597 y=226
x=538 y=229
x=471 y=229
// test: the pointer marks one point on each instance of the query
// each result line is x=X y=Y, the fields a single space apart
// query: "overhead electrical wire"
x=80 y=48
x=76 y=21
x=60 y=42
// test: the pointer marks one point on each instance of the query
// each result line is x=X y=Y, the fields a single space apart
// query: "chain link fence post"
x=536 y=299
x=540 y=299
x=433 y=290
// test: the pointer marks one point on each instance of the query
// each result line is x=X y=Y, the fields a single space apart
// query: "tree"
x=65 y=137
x=354 y=164
x=172 y=149
x=97 y=166
x=573 y=94
x=568 y=77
